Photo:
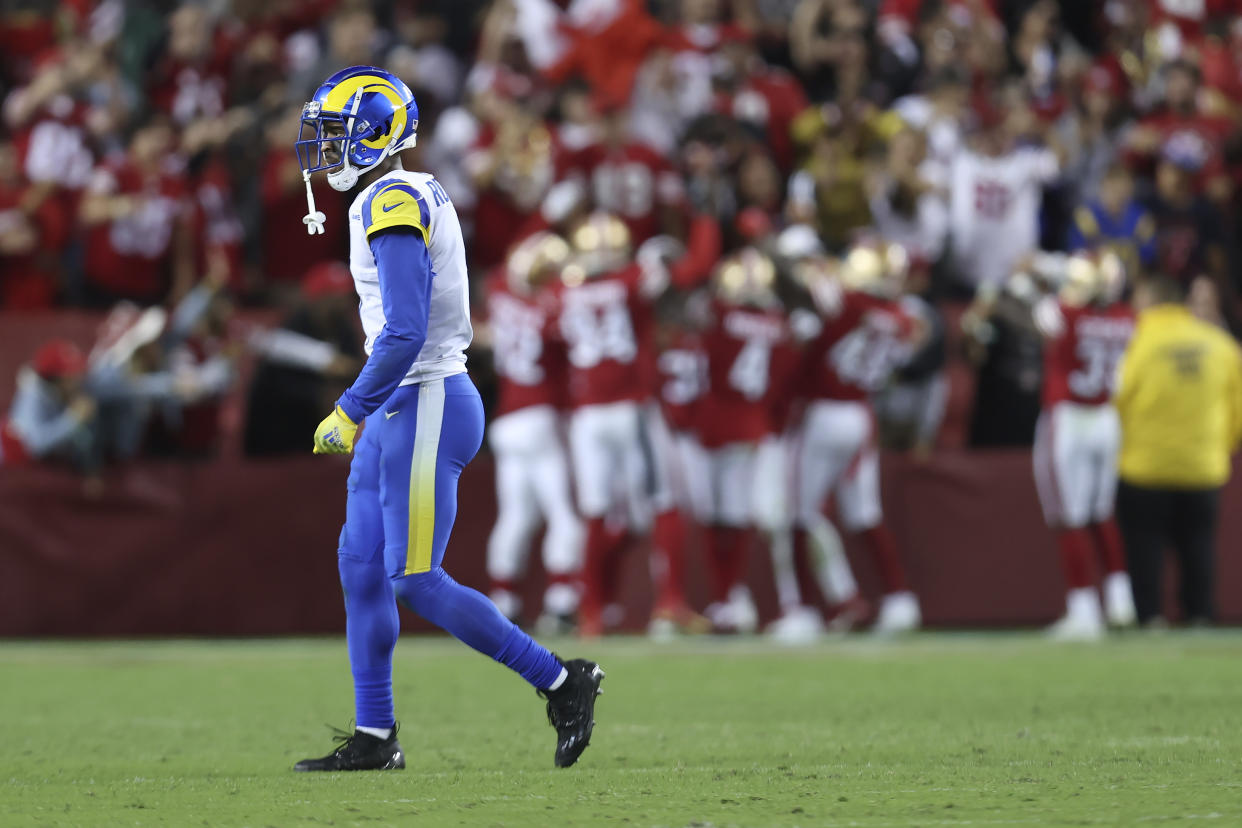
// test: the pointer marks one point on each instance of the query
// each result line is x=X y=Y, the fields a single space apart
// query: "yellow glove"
x=335 y=435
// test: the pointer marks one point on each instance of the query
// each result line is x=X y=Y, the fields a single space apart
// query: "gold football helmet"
x=875 y=267
x=747 y=277
x=534 y=260
x=600 y=244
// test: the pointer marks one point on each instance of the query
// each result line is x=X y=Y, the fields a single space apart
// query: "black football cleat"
x=359 y=751
x=571 y=709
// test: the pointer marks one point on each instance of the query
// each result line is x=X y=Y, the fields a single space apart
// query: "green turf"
x=935 y=730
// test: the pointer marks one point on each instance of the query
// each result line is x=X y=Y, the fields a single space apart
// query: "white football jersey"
x=994 y=210
x=449 y=332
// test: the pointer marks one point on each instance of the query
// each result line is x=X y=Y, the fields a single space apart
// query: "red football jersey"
x=530 y=364
x=130 y=256
x=743 y=347
x=605 y=323
x=858 y=349
x=633 y=181
x=682 y=371
x=1081 y=359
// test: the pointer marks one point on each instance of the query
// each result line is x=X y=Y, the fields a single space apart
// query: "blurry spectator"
x=1039 y=49
x=1003 y=341
x=1190 y=232
x=1180 y=117
x=33 y=230
x=352 y=40
x=286 y=251
x=302 y=364
x=907 y=200
x=138 y=374
x=608 y=42
x=828 y=41
x=940 y=114
x=138 y=243
x=829 y=192
x=995 y=191
x=712 y=148
x=1180 y=401
x=911 y=408
x=1220 y=60
x=963 y=33
x=1115 y=220
x=198 y=354
x=214 y=226
x=52 y=417
x=666 y=101
x=190 y=79
x=49 y=122
x=1093 y=131
x=765 y=98
x=541 y=26
x=628 y=178
x=759 y=185
x=512 y=167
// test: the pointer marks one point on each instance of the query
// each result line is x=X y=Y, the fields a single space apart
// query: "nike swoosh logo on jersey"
x=388 y=415
x=388 y=207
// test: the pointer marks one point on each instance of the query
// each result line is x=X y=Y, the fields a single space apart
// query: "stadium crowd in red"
x=142 y=143
x=928 y=153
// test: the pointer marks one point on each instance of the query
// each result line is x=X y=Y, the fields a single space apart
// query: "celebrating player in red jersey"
x=532 y=472
x=854 y=356
x=1086 y=329
x=744 y=341
x=604 y=317
x=680 y=380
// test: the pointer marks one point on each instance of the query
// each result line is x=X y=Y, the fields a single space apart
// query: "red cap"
x=59 y=359
x=327 y=279
x=753 y=223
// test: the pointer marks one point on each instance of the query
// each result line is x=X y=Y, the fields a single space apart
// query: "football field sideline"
x=936 y=729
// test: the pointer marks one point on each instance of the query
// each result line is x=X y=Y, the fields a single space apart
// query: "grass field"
x=937 y=730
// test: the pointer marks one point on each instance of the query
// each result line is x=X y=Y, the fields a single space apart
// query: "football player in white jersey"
x=424 y=420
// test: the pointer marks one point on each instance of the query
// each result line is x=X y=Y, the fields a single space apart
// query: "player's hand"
x=82 y=408
x=335 y=435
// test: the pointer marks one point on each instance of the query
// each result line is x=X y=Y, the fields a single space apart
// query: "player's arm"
x=398 y=236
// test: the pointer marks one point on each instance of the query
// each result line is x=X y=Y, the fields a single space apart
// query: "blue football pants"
x=402 y=502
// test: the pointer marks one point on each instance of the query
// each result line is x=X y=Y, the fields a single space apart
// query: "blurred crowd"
x=146 y=144
x=965 y=146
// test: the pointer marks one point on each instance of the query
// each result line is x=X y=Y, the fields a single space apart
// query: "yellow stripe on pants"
x=421 y=537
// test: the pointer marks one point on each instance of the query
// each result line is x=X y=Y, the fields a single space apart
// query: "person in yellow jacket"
x=1179 y=397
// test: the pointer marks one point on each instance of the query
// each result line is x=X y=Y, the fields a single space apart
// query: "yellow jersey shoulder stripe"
x=396 y=204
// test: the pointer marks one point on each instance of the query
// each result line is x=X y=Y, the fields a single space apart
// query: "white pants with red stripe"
x=1076 y=449
x=837 y=455
x=610 y=460
x=532 y=486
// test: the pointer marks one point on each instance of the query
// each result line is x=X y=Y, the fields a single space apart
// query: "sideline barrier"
x=235 y=547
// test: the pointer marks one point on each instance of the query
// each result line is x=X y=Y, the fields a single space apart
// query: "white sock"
x=377 y=732
x=556 y=685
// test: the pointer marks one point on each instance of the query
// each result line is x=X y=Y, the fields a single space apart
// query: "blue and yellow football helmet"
x=368 y=113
